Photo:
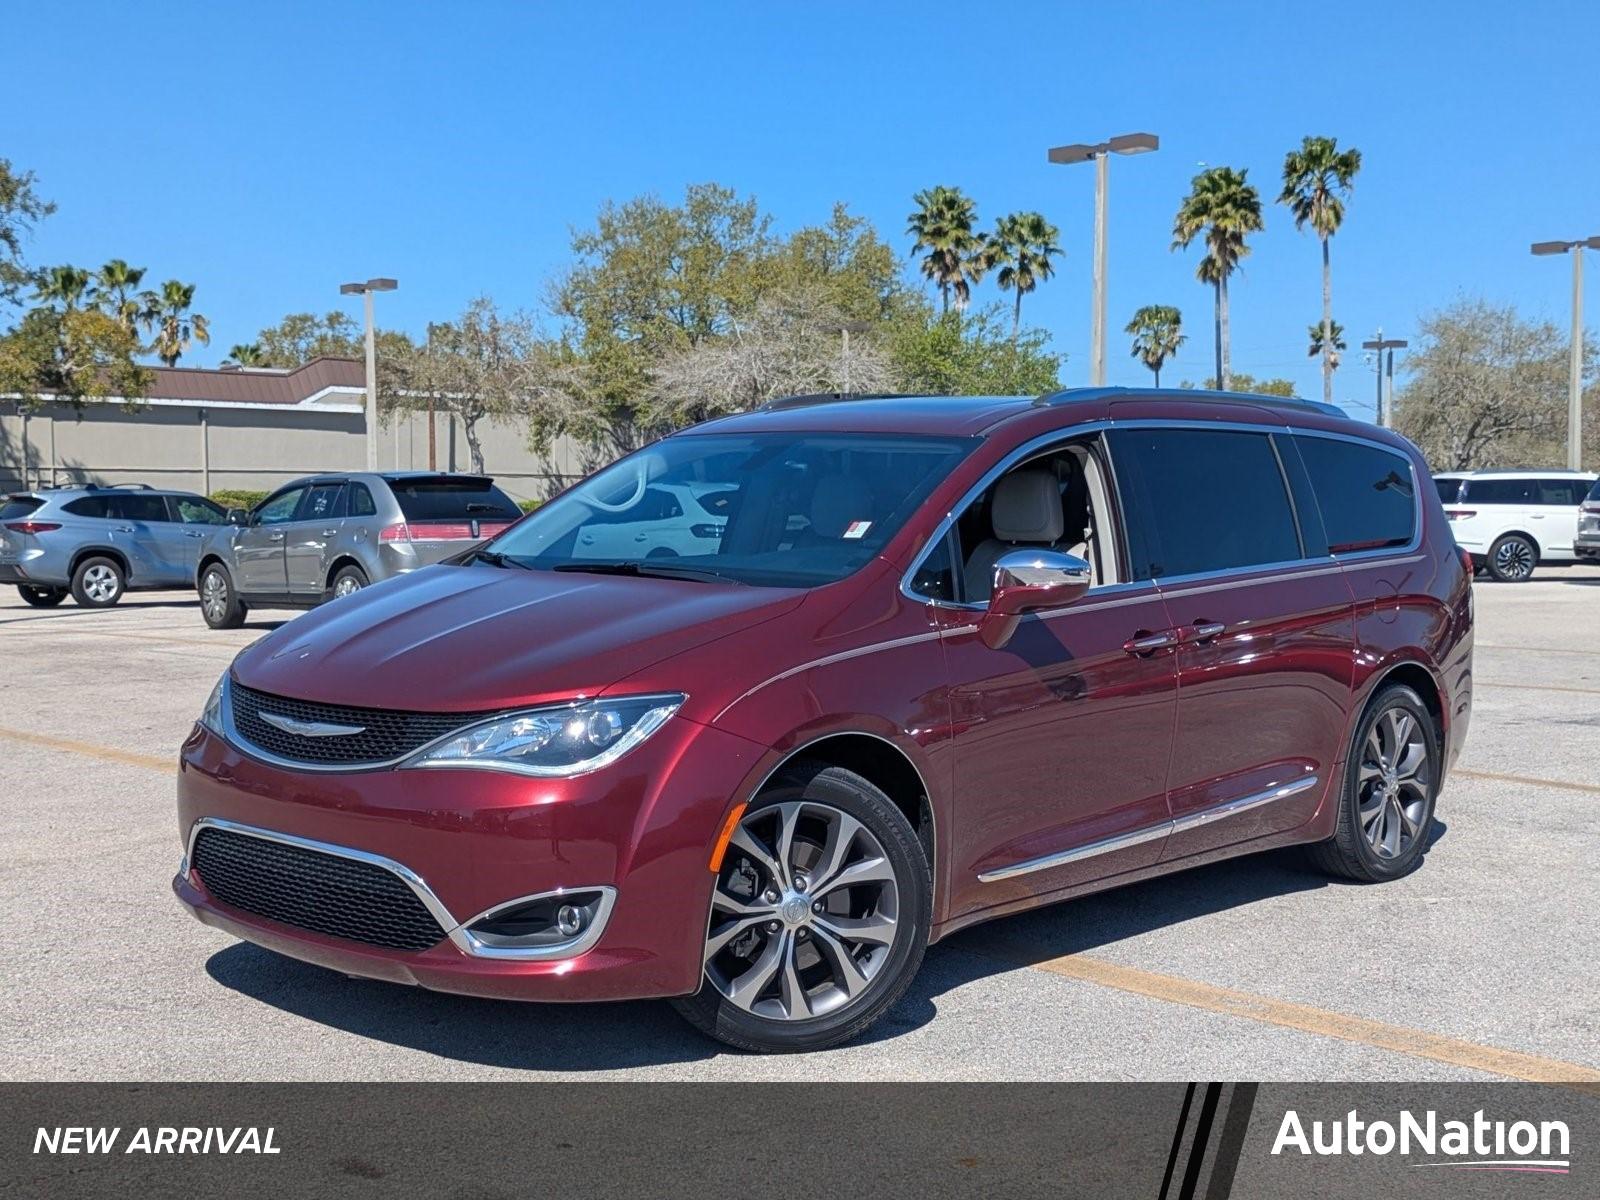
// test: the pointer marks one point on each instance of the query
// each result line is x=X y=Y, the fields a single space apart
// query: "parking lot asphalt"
x=1485 y=964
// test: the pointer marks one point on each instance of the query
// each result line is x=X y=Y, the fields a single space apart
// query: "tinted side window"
x=87 y=506
x=1500 y=491
x=1564 y=492
x=359 y=500
x=137 y=508
x=936 y=577
x=1449 y=489
x=321 y=502
x=1594 y=493
x=1203 y=500
x=279 y=508
x=192 y=510
x=1366 y=494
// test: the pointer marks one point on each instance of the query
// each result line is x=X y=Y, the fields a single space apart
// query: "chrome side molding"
x=1124 y=841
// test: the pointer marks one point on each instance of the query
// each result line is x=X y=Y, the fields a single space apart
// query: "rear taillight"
x=395 y=533
x=489 y=529
x=1458 y=514
x=33 y=526
x=1466 y=562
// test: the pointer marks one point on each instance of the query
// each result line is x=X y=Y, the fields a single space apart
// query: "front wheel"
x=819 y=915
x=1390 y=787
x=219 y=602
x=1512 y=558
x=41 y=597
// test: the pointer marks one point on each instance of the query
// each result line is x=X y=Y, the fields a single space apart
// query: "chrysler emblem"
x=311 y=728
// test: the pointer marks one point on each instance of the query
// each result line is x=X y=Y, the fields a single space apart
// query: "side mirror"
x=1028 y=581
x=238 y=516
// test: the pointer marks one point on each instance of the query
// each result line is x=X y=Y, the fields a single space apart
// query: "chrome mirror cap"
x=1041 y=568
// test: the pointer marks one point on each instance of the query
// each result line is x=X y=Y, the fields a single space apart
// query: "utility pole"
x=1100 y=152
x=1380 y=345
x=365 y=290
x=1575 y=354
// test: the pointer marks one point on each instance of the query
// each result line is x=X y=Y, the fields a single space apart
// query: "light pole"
x=846 y=328
x=1100 y=152
x=1575 y=366
x=365 y=290
x=1380 y=344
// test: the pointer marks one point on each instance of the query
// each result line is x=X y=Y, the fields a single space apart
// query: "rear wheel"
x=349 y=579
x=98 y=582
x=1391 y=785
x=219 y=602
x=819 y=917
x=1512 y=558
x=41 y=597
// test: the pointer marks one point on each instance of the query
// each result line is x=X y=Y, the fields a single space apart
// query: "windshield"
x=1594 y=494
x=774 y=509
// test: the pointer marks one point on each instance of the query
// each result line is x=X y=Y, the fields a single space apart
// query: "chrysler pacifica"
x=935 y=661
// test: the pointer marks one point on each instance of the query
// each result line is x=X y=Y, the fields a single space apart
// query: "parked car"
x=951 y=659
x=96 y=543
x=673 y=519
x=329 y=535
x=1511 y=521
x=1587 y=545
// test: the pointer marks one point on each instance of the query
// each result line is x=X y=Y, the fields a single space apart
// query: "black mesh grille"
x=311 y=890
x=385 y=733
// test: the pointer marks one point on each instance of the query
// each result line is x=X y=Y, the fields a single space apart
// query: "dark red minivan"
x=753 y=715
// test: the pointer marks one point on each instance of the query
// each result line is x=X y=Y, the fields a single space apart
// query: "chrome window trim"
x=1288 y=429
x=1123 y=841
x=455 y=930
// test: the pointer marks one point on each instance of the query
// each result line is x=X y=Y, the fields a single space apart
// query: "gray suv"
x=97 y=543
x=330 y=535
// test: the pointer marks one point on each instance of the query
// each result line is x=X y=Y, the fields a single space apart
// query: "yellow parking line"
x=1417 y=1043
x=1498 y=777
x=105 y=753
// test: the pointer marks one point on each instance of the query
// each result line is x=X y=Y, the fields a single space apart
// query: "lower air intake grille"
x=308 y=889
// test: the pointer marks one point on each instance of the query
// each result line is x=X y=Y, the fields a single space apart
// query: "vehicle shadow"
x=627 y=1035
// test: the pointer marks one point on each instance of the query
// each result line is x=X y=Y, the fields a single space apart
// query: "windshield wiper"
x=656 y=569
x=496 y=559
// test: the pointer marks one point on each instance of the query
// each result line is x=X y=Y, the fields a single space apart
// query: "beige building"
x=206 y=430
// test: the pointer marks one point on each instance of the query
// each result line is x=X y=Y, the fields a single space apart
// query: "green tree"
x=1334 y=345
x=301 y=337
x=969 y=354
x=1157 y=331
x=73 y=355
x=1250 y=385
x=1317 y=178
x=177 y=326
x=66 y=286
x=21 y=210
x=944 y=229
x=115 y=292
x=1225 y=208
x=245 y=354
x=1019 y=251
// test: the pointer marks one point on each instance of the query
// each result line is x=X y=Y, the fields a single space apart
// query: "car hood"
x=452 y=638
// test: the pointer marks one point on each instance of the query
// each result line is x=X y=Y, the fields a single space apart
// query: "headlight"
x=211 y=715
x=571 y=739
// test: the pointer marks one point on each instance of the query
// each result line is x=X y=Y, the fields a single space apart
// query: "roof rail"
x=111 y=487
x=806 y=401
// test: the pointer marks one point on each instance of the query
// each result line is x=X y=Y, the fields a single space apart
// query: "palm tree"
x=1226 y=208
x=1316 y=179
x=114 y=292
x=246 y=354
x=1334 y=344
x=176 y=326
x=944 y=226
x=63 y=285
x=1021 y=247
x=1157 y=333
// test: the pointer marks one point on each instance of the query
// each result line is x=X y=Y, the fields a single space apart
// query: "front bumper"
x=477 y=839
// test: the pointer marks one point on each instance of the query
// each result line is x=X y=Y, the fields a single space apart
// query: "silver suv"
x=97 y=543
x=330 y=535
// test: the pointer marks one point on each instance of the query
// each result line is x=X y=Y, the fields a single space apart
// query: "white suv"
x=1510 y=520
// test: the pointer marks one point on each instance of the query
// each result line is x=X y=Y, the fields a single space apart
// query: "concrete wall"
x=177 y=447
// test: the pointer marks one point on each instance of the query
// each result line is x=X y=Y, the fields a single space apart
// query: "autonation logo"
x=1476 y=1145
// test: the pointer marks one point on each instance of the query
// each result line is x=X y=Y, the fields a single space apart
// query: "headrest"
x=1027 y=507
x=838 y=501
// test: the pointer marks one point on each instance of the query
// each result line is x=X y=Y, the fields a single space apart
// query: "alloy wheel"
x=100 y=584
x=1393 y=784
x=805 y=912
x=1514 y=559
x=346 y=585
x=214 y=595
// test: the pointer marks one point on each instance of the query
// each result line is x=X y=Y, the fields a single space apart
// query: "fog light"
x=570 y=919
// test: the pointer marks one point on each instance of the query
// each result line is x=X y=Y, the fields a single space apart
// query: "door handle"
x=1203 y=631
x=192 y=533
x=1143 y=643
x=274 y=537
x=126 y=529
x=330 y=532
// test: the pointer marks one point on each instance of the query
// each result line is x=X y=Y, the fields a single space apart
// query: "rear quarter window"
x=1367 y=494
x=87 y=506
x=14 y=507
x=453 y=501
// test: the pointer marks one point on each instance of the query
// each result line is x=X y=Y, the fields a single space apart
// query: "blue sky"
x=268 y=152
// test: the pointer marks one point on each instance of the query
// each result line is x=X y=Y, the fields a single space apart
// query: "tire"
x=98 y=582
x=1512 y=558
x=823 y=1001
x=349 y=579
x=41 y=597
x=219 y=601
x=1369 y=812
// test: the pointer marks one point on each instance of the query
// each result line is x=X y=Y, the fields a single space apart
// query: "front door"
x=1554 y=513
x=258 y=550
x=1264 y=623
x=309 y=538
x=199 y=519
